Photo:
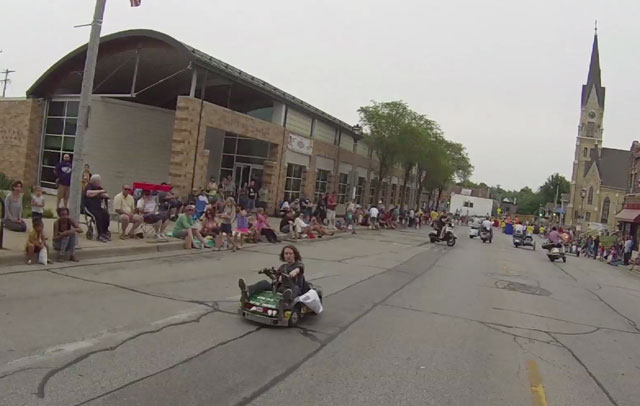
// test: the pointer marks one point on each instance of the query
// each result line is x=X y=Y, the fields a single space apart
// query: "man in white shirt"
x=300 y=226
x=519 y=229
x=148 y=208
x=373 y=218
x=125 y=206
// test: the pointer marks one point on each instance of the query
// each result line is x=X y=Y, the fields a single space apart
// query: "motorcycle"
x=446 y=235
x=555 y=252
x=485 y=235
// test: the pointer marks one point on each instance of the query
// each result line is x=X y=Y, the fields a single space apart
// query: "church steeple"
x=593 y=79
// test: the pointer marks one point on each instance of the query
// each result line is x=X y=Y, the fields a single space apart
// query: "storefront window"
x=293 y=182
x=342 y=187
x=322 y=181
x=360 y=189
x=59 y=138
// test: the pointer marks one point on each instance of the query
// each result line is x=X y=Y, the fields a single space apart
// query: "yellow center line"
x=537 y=390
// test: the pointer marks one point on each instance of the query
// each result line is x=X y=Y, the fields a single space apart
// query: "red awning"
x=629 y=216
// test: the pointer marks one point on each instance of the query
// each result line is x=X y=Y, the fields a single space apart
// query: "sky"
x=501 y=77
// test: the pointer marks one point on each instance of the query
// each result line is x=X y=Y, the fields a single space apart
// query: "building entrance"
x=245 y=173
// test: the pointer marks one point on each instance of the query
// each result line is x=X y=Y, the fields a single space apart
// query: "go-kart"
x=270 y=308
x=524 y=240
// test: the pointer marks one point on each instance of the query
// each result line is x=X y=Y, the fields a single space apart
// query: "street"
x=406 y=322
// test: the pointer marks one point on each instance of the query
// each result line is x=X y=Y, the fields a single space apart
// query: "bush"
x=48 y=214
x=5 y=182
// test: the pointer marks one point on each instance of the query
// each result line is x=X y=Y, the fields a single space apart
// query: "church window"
x=605 y=211
x=590 y=196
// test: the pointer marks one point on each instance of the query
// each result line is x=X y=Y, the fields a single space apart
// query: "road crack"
x=593 y=377
x=47 y=377
x=631 y=322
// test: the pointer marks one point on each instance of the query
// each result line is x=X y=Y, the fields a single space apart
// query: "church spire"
x=593 y=79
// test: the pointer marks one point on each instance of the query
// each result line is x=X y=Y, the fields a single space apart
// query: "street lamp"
x=583 y=194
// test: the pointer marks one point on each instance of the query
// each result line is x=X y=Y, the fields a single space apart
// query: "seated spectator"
x=263 y=227
x=94 y=195
x=125 y=206
x=64 y=235
x=169 y=203
x=36 y=242
x=301 y=227
x=286 y=224
x=37 y=204
x=149 y=209
x=317 y=227
x=186 y=229
x=13 y=209
x=211 y=227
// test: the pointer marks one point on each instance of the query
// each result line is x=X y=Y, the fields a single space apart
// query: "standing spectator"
x=86 y=175
x=37 y=204
x=628 y=249
x=212 y=186
x=373 y=218
x=63 y=179
x=332 y=203
x=36 y=242
x=148 y=208
x=227 y=216
x=321 y=210
x=252 y=196
x=349 y=215
x=284 y=207
x=186 y=230
x=230 y=188
x=64 y=235
x=242 y=227
x=94 y=195
x=295 y=205
x=125 y=206
x=596 y=246
x=307 y=208
x=13 y=209
x=243 y=195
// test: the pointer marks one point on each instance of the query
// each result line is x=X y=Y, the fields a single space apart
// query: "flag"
x=135 y=3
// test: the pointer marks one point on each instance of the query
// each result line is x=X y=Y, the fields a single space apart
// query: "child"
x=242 y=226
x=37 y=204
x=36 y=242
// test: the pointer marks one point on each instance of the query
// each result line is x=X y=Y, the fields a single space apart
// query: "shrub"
x=5 y=182
x=48 y=214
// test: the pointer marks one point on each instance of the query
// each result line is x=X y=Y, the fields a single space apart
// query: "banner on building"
x=298 y=143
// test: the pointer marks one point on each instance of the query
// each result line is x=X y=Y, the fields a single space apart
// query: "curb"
x=17 y=258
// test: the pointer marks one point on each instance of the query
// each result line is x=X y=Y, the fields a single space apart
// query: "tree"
x=383 y=124
x=555 y=185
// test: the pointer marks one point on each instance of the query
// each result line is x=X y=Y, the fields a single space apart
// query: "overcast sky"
x=502 y=77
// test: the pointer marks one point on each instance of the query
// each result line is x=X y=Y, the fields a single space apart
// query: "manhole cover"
x=522 y=288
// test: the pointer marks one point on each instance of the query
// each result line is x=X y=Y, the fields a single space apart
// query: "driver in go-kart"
x=293 y=267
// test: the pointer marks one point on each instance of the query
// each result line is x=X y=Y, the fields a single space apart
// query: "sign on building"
x=300 y=144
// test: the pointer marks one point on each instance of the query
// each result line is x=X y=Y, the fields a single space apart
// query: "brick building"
x=163 y=111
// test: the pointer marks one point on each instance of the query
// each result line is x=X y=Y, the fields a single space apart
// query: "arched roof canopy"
x=164 y=72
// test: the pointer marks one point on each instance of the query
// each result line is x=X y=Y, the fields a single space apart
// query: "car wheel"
x=295 y=316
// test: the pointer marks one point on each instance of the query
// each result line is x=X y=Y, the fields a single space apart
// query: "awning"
x=629 y=216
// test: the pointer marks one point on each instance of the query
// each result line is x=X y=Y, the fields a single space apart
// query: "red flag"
x=135 y=3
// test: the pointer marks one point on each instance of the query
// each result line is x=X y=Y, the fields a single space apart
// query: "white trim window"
x=343 y=181
x=59 y=138
x=293 y=182
x=322 y=183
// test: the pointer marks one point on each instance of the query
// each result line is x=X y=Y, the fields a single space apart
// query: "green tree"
x=556 y=184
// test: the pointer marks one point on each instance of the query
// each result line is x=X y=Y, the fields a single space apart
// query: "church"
x=600 y=175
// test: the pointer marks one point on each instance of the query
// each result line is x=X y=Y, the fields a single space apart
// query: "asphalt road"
x=405 y=323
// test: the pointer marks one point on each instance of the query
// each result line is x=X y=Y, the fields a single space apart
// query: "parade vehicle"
x=270 y=308
x=447 y=235
x=555 y=252
x=485 y=235
x=525 y=240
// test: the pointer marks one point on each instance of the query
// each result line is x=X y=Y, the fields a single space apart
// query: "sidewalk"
x=14 y=243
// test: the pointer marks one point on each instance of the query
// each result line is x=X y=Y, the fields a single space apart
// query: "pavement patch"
x=521 y=288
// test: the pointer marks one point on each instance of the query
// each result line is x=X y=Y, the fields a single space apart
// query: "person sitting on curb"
x=286 y=224
x=64 y=235
x=186 y=229
x=292 y=266
x=317 y=227
x=36 y=242
x=148 y=208
x=264 y=228
x=13 y=209
x=301 y=228
x=211 y=227
x=125 y=206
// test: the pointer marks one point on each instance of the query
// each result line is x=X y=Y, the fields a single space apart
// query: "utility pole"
x=83 y=110
x=6 y=80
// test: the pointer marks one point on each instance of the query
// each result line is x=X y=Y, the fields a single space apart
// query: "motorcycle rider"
x=439 y=225
x=487 y=225
x=554 y=239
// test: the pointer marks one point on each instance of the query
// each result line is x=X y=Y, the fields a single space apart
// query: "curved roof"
x=67 y=72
